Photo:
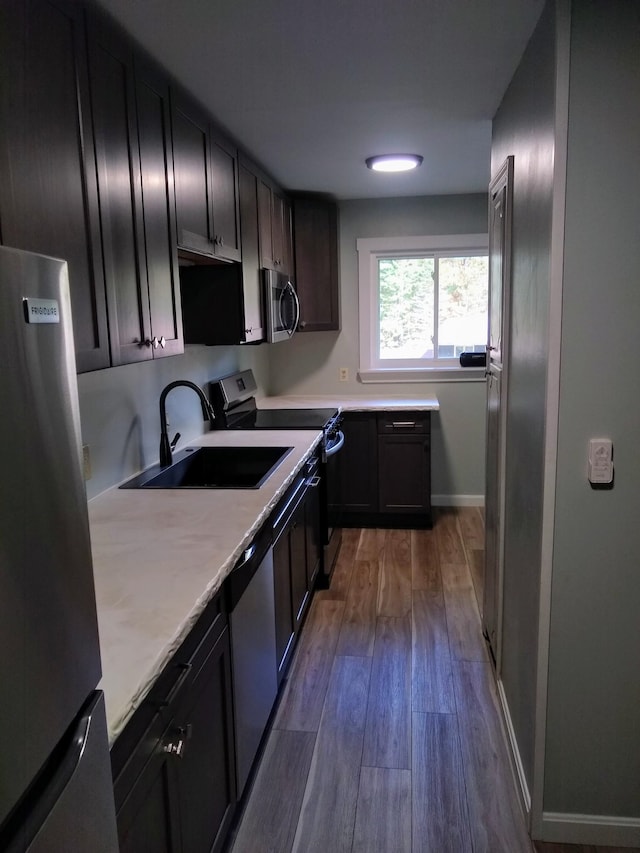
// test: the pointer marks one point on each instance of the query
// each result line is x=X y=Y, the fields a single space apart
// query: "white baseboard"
x=457 y=500
x=590 y=829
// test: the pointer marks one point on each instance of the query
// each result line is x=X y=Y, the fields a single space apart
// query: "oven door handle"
x=336 y=446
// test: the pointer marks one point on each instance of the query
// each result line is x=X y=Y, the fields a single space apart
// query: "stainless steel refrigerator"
x=55 y=779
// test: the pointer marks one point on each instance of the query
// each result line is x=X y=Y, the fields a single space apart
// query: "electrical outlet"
x=86 y=462
x=343 y=373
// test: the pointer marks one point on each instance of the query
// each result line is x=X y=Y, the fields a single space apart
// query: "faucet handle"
x=174 y=441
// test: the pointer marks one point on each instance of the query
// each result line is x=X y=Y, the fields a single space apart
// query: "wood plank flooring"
x=388 y=737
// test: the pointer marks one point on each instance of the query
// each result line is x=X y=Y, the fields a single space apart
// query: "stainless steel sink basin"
x=213 y=468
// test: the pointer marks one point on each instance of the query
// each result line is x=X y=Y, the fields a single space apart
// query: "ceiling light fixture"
x=393 y=162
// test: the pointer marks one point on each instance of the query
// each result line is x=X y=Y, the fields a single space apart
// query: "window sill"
x=436 y=374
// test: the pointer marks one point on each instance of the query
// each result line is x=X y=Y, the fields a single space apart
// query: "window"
x=423 y=301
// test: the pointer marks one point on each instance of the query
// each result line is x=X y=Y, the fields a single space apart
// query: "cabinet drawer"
x=157 y=708
x=403 y=423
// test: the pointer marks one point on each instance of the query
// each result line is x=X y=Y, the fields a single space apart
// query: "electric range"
x=234 y=403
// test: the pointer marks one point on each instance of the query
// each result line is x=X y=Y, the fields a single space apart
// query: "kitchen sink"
x=213 y=468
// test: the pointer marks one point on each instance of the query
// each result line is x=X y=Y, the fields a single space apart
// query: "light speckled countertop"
x=351 y=402
x=160 y=555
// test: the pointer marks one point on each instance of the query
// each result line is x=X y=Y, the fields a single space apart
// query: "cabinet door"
x=281 y=234
x=206 y=771
x=192 y=176
x=298 y=552
x=403 y=474
x=158 y=202
x=312 y=533
x=265 y=221
x=315 y=240
x=118 y=169
x=148 y=820
x=226 y=215
x=48 y=195
x=359 y=465
x=282 y=601
x=251 y=274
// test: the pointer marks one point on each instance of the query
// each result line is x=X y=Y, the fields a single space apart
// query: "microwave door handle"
x=296 y=302
x=280 y=300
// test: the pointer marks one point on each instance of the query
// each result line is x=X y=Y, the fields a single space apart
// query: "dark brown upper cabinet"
x=206 y=184
x=130 y=106
x=48 y=190
x=222 y=303
x=274 y=216
x=315 y=240
x=226 y=205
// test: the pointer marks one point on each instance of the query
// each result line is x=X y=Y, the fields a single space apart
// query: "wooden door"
x=48 y=197
x=206 y=772
x=190 y=130
x=158 y=204
x=403 y=474
x=226 y=215
x=265 y=221
x=283 y=601
x=359 y=467
x=298 y=546
x=500 y=203
x=148 y=819
x=251 y=273
x=315 y=229
x=120 y=188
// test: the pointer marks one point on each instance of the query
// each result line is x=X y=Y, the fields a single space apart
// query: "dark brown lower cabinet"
x=296 y=560
x=174 y=771
x=385 y=470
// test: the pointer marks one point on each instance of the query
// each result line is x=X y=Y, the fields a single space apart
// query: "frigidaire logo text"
x=44 y=310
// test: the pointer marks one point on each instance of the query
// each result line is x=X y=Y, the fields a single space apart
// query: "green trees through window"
x=432 y=306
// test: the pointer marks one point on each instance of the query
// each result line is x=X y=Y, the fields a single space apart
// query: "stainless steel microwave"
x=281 y=306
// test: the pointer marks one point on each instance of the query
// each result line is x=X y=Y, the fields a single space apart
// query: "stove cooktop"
x=283 y=419
x=234 y=402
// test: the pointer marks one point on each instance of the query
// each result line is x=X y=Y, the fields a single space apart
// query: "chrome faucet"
x=165 y=445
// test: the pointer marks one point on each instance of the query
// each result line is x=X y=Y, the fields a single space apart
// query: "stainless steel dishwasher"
x=253 y=650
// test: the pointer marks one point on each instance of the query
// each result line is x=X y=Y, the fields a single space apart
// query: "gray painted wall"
x=593 y=724
x=119 y=407
x=524 y=127
x=308 y=364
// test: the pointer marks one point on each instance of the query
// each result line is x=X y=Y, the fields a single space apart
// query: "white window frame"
x=370 y=249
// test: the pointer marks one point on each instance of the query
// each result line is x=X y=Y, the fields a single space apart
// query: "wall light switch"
x=600 y=469
x=343 y=373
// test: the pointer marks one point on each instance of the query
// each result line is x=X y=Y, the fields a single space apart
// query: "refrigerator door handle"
x=49 y=791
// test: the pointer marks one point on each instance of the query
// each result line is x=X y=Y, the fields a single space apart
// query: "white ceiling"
x=311 y=88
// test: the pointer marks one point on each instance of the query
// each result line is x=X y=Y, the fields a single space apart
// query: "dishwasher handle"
x=247 y=565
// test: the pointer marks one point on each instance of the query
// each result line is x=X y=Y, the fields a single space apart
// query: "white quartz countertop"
x=160 y=555
x=352 y=403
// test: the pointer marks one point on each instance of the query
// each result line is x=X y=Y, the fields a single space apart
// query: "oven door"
x=282 y=309
x=331 y=502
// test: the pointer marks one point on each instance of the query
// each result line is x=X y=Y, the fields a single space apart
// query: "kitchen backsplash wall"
x=309 y=363
x=119 y=407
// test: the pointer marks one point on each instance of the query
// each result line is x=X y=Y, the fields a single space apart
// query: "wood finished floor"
x=388 y=737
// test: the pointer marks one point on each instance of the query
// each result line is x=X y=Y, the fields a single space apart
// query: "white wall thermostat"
x=600 y=461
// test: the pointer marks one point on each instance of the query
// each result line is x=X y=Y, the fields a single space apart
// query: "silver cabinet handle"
x=162 y=341
x=178 y=746
x=314 y=481
x=405 y=424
